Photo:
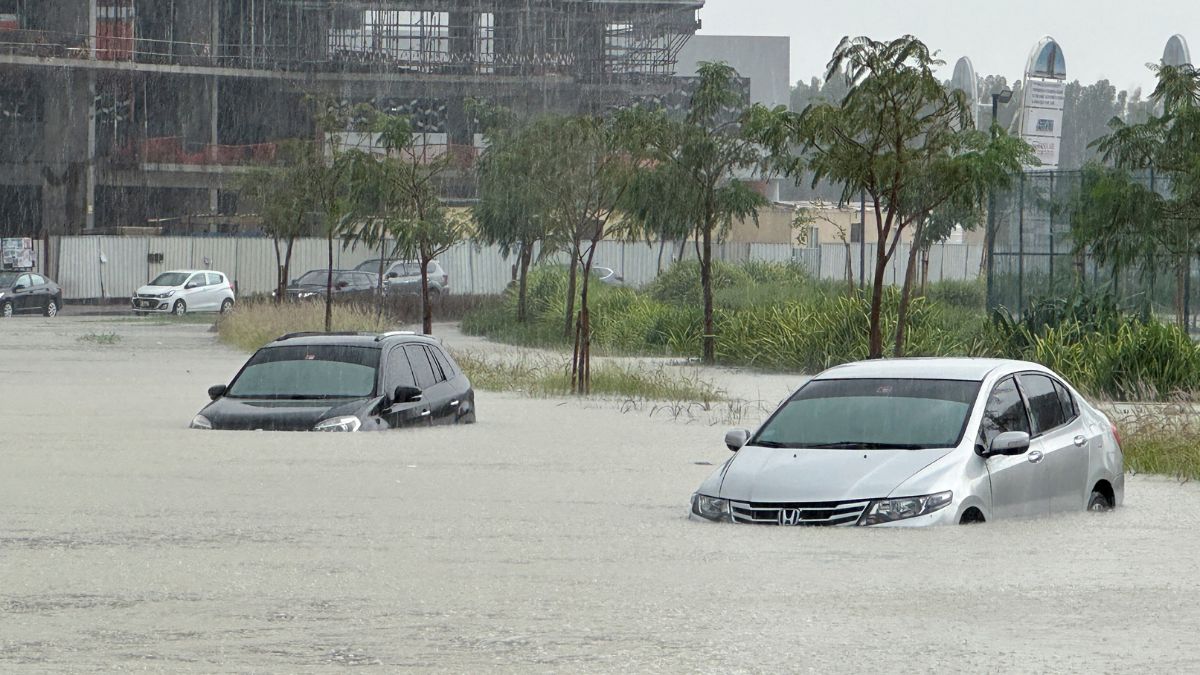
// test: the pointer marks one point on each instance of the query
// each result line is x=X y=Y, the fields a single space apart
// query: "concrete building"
x=118 y=113
x=764 y=60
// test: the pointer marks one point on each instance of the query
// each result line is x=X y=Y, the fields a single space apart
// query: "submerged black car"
x=342 y=382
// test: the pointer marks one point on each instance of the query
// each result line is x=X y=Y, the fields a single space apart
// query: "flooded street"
x=549 y=536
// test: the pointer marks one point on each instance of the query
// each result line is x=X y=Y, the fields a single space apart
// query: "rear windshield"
x=308 y=372
x=170 y=279
x=316 y=277
x=872 y=414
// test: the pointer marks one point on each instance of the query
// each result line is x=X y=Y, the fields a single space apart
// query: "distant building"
x=764 y=60
x=121 y=113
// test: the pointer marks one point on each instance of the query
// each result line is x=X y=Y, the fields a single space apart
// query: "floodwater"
x=551 y=536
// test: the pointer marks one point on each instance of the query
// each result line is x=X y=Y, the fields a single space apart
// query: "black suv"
x=343 y=382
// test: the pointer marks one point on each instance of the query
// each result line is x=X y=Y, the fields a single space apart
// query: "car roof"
x=942 y=368
x=186 y=271
x=352 y=339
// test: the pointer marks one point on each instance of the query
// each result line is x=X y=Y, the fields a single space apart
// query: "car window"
x=197 y=279
x=440 y=357
x=414 y=269
x=422 y=369
x=1005 y=411
x=308 y=371
x=37 y=280
x=23 y=280
x=1067 y=402
x=213 y=278
x=399 y=370
x=1044 y=405
x=169 y=279
x=364 y=280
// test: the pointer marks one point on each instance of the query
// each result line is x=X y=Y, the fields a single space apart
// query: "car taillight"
x=1116 y=434
x=445 y=279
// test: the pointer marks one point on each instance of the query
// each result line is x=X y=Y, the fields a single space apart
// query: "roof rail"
x=317 y=333
x=393 y=333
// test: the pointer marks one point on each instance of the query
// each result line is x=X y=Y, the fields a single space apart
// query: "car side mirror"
x=217 y=391
x=405 y=394
x=392 y=275
x=18 y=287
x=342 y=284
x=192 y=284
x=736 y=438
x=1009 y=443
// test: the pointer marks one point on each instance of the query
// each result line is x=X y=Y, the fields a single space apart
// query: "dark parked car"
x=347 y=285
x=404 y=276
x=343 y=382
x=28 y=292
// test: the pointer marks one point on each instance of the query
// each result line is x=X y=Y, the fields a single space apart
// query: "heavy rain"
x=574 y=274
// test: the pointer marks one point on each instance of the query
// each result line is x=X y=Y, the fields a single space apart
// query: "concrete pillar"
x=68 y=146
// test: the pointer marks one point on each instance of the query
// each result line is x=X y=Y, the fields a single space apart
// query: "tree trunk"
x=910 y=271
x=426 y=308
x=1181 y=291
x=875 y=346
x=329 y=285
x=710 y=338
x=850 y=285
x=523 y=261
x=571 y=280
x=924 y=270
x=287 y=268
x=279 y=272
x=382 y=282
x=581 y=357
x=662 y=244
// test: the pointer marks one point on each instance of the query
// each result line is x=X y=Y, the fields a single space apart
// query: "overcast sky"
x=1099 y=38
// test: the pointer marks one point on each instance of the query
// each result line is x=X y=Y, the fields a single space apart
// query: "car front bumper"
x=163 y=305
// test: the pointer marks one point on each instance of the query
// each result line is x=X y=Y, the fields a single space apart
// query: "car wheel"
x=434 y=293
x=226 y=306
x=52 y=307
x=1099 y=502
x=469 y=418
x=180 y=308
x=6 y=310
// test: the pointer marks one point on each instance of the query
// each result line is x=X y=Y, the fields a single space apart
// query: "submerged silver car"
x=919 y=442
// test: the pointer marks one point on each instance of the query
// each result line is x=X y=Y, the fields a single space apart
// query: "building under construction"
x=118 y=113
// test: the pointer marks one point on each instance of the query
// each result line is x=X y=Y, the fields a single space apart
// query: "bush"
x=961 y=294
x=681 y=283
x=253 y=324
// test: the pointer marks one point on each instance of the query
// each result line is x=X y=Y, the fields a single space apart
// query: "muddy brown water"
x=551 y=536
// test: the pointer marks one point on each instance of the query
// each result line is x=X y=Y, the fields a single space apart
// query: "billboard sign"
x=1042 y=99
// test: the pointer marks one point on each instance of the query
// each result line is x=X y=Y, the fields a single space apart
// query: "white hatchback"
x=181 y=291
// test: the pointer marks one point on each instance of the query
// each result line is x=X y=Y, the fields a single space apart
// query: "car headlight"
x=167 y=294
x=305 y=294
x=349 y=423
x=200 y=422
x=710 y=508
x=891 y=510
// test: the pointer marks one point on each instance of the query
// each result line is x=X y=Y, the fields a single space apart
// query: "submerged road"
x=550 y=536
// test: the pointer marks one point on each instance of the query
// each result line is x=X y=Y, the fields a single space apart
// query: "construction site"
x=142 y=113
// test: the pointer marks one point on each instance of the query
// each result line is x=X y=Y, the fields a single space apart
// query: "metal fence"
x=105 y=267
x=1035 y=255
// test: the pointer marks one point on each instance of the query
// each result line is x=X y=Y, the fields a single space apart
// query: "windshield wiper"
x=864 y=445
x=768 y=444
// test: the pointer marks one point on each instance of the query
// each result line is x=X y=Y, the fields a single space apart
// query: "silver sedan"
x=919 y=442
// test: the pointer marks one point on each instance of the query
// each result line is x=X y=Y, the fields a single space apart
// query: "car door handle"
x=454 y=403
x=426 y=413
x=1035 y=457
x=1080 y=441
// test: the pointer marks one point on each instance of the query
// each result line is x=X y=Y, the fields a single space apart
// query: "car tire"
x=6 y=309
x=226 y=306
x=468 y=418
x=180 y=308
x=51 y=307
x=1099 y=502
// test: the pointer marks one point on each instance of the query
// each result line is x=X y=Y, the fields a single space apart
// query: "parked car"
x=28 y=292
x=343 y=382
x=607 y=275
x=181 y=291
x=347 y=285
x=920 y=442
x=404 y=276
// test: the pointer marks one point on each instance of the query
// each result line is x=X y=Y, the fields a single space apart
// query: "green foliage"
x=681 y=283
x=970 y=294
x=100 y=338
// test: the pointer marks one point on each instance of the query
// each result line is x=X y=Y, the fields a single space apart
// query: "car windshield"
x=308 y=372
x=170 y=279
x=369 y=266
x=8 y=278
x=872 y=414
x=315 y=277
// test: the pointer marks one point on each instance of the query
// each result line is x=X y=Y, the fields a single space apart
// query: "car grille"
x=798 y=513
x=148 y=295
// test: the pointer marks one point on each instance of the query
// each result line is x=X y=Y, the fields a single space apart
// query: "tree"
x=693 y=170
x=513 y=211
x=284 y=203
x=905 y=140
x=329 y=180
x=1124 y=221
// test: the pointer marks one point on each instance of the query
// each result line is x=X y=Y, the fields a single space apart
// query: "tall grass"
x=253 y=324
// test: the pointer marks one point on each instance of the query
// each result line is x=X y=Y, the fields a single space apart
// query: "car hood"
x=279 y=415
x=812 y=475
